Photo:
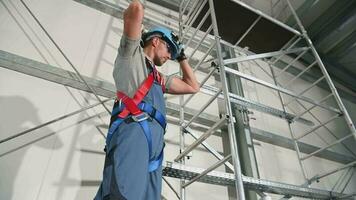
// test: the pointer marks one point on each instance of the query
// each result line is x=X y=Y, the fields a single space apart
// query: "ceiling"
x=331 y=25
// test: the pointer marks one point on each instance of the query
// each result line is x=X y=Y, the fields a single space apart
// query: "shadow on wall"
x=19 y=114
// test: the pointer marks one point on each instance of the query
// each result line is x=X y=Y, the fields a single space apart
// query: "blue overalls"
x=134 y=151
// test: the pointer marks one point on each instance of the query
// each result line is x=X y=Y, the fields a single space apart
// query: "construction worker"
x=134 y=145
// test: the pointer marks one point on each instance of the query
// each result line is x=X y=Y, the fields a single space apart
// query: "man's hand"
x=181 y=56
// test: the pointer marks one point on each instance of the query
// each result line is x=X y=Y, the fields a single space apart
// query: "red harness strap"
x=159 y=79
x=131 y=104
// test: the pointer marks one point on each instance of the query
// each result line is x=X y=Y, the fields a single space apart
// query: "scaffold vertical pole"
x=230 y=123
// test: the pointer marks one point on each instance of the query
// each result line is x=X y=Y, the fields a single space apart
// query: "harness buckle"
x=140 y=117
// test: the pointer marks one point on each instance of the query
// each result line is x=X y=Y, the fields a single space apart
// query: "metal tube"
x=248 y=30
x=181 y=121
x=284 y=47
x=65 y=57
x=231 y=129
x=258 y=12
x=306 y=90
x=238 y=100
x=292 y=45
x=201 y=139
x=198 y=27
x=348 y=180
x=204 y=57
x=307 y=110
x=194 y=7
x=348 y=196
x=291 y=63
x=52 y=121
x=267 y=73
x=203 y=108
x=263 y=55
x=328 y=79
x=200 y=42
x=331 y=133
x=185 y=7
x=182 y=145
x=275 y=3
x=190 y=24
x=322 y=149
x=298 y=75
x=201 y=84
x=211 y=150
x=315 y=178
x=181 y=118
x=296 y=147
x=289 y=41
x=181 y=4
x=339 y=179
x=318 y=126
x=216 y=165
x=283 y=90
x=171 y=187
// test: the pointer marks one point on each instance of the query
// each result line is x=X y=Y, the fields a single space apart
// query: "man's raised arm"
x=133 y=17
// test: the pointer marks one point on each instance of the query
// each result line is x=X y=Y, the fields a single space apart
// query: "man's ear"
x=155 y=41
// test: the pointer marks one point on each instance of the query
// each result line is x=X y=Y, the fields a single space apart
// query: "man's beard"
x=158 y=62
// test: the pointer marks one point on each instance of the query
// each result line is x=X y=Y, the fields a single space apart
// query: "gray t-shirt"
x=130 y=68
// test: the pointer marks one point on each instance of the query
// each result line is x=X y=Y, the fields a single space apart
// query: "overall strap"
x=157 y=76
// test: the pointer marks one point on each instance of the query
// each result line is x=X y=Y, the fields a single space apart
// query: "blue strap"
x=147 y=132
x=112 y=129
x=148 y=108
x=154 y=164
x=117 y=109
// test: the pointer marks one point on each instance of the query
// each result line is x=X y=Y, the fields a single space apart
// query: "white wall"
x=64 y=160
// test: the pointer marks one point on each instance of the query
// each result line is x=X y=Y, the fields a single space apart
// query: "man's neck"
x=148 y=53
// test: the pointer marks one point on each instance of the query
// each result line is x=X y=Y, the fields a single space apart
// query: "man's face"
x=162 y=52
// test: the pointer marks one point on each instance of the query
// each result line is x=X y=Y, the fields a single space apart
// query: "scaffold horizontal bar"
x=263 y=55
x=241 y=101
x=280 y=89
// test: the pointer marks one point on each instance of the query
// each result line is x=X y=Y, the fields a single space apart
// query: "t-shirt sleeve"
x=168 y=81
x=129 y=67
x=128 y=47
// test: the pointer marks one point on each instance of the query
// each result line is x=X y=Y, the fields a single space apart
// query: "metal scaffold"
x=203 y=27
x=206 y=29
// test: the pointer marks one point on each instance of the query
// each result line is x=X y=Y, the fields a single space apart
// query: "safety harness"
x=135 y=110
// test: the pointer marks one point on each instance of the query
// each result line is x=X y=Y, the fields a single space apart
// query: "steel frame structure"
x=189 y=10
x=186 y=27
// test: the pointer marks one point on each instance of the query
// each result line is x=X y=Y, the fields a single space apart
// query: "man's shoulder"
x=128 y=47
